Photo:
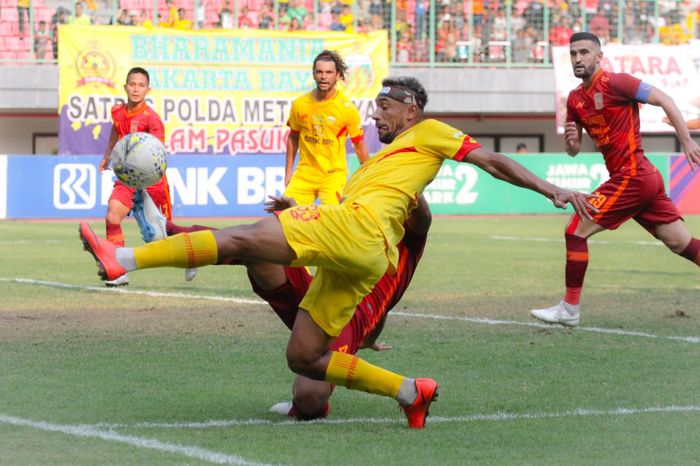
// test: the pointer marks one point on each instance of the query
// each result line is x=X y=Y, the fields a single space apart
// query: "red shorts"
x=642 y=198
x=285 y=302
x=159 y=192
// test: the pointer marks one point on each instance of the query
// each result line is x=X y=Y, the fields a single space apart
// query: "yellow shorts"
x=349 y=251
x=307 y=185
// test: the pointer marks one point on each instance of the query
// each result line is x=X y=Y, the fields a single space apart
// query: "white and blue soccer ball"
x=139 y=160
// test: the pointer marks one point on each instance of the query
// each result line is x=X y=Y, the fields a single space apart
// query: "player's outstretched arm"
x=501 y=167
x=690 y=147
x=572 y=138
x=113 y=137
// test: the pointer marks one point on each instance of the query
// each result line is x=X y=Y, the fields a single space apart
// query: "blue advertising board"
x=201 y=186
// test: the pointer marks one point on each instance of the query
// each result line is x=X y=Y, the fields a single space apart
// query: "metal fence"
x=421 y=32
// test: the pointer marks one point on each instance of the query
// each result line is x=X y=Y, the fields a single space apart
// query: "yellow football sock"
x=357 y=374
x=186 y=250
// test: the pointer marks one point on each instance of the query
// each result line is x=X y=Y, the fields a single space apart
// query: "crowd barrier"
x=55 y=187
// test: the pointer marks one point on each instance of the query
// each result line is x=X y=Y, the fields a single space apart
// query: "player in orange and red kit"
x=283 y=288
x=607 y=106
x=134 y=116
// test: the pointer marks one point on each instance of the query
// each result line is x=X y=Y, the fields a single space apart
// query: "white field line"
x=500 y=416
x=476 y=320
x=139 y=442
x=561 y=240
x=154 y=294
x=481 y=320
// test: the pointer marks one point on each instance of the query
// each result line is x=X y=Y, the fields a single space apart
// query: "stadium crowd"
x=476 y=31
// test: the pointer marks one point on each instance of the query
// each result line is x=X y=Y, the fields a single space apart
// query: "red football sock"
x=115 y=235
x=576 y=264
x=692 y=251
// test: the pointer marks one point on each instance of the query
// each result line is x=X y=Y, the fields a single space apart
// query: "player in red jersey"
x=607 y=106
x=284 y=287
x=134 y=116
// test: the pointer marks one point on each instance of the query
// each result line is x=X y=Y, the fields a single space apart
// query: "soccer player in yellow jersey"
x=353 y=244
x=320 y=121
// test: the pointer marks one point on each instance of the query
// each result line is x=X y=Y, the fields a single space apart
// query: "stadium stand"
x=420 y=31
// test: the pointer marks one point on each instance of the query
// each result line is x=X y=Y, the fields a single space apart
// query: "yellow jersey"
x=323 y=128
x=388 y=184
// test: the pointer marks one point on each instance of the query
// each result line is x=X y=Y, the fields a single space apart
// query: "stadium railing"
x=511 y=33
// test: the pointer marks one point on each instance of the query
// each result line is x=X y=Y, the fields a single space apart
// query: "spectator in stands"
x=522 y=46
x=200 y=14
x=247 y=19
x=226 y=16
x=123 y=18
x=561 y=32
x=41 y=37
x=403 y=49
x=521 y=148
x=421 y=15
x=60 y=17
x=182 y=22
x=294 y=24
x=169 y=21
x=22 y=9
x=346 y=18
x=534 y=14
x=266 y=20
x=336 y=25
x=80 y=17
x=297 y=10
x=600 y=26
x=284 y=19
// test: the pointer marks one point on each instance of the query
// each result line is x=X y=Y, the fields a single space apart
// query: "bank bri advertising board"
x=217 y=91
x=202 y=186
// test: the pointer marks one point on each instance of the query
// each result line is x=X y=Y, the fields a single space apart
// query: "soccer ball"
x=139 y=160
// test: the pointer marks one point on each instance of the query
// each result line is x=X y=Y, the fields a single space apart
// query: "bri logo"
x=74 y=186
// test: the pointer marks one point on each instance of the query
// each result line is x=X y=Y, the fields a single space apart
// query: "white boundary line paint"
x=476 y=320
x=93 y=432
x=153 y=294
x=500 y=416
x=481 y=320
x=561 y=240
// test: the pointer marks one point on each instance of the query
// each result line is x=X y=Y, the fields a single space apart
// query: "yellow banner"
x=218 y=92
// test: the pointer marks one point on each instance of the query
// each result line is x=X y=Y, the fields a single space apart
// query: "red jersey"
x=144 y=120
x=609 y=111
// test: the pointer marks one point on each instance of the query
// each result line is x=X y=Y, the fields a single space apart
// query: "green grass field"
x=90 y=377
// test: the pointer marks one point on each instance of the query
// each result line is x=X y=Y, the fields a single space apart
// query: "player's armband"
x=643 y=92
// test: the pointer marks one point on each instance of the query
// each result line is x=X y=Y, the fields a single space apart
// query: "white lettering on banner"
x=74 y=186
x=198 y=185
x=577 y=176
x=453 y=185
x=106 y=185
x=208 y=185
x=255 y=184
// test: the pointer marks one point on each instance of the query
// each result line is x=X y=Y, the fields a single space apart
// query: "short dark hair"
x=521 y=145
x=139 y=70
x=332 y=55
x=585 y=36
x=410 y=84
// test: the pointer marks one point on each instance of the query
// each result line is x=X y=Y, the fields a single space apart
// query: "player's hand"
x=377 y=346
x=277 y=203
x=579 y=201
x=571 y=133
x=692 y=154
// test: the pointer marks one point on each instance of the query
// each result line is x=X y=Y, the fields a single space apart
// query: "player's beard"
x=585 y=72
